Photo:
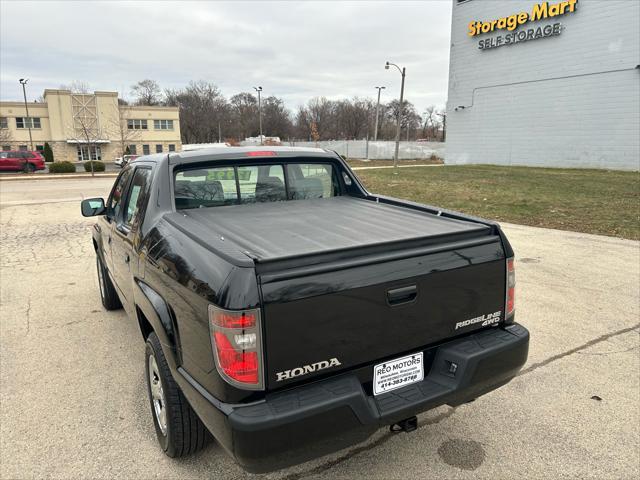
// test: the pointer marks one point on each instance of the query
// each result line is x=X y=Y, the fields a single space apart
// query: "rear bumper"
x=307 y=422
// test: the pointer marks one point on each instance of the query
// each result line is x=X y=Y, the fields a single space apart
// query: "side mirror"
x=92 y=207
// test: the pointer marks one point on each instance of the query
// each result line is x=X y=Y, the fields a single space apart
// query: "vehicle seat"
x=198 y=194
x=270 y=189
x=212 y=190
x=307 y=188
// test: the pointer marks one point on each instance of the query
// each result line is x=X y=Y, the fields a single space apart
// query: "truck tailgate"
x=361 y=310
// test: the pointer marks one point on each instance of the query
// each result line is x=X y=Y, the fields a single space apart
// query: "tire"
x=28 y=168
x=179 y=430
x=108 y=293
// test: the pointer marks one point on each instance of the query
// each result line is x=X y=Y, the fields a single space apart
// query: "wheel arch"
x=96 y=239
x=155 y=315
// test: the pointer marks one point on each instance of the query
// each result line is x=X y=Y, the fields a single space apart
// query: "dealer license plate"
x=398 y=373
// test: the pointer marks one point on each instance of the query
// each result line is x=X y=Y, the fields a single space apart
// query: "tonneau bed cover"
x=281 y=230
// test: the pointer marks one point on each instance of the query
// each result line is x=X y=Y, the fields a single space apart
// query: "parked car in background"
x=21 y=161
x=122 y=161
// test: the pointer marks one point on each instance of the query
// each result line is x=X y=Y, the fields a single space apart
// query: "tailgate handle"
x=398 y=296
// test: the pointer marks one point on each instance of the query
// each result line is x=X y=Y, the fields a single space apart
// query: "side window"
x=117 y=194
x=311 y=180
x=137 y=194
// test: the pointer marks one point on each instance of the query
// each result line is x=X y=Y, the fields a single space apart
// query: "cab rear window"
x=229 y=185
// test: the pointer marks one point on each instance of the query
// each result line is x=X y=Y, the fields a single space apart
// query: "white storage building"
x=545 y=83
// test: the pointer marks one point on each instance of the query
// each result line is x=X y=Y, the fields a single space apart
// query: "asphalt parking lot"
x=73 y=398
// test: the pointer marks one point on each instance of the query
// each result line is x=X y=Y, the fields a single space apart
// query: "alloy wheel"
x=157 y=395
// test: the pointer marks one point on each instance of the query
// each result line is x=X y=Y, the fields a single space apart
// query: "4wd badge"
x=487 y=319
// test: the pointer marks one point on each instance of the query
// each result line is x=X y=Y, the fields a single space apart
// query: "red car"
x=22 y=161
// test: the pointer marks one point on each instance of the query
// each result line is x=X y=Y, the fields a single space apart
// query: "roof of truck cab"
x=218 y=153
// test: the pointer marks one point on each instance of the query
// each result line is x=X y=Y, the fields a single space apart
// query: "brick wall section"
x=577 y=118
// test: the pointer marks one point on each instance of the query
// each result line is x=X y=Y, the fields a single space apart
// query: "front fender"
x=96 y=238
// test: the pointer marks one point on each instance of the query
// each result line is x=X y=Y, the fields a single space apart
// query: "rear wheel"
x=108 y=293
x=28 y=168
x=178 y=428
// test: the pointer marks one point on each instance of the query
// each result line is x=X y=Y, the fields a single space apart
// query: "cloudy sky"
x=294 y=50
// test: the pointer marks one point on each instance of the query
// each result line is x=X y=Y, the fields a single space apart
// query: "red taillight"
x=261 y=153
x=233 y=319
x=510 y=300
x=237 y=346
x=239 y=365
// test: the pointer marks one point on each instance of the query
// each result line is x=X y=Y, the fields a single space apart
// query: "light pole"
x=443 y=115
x=23 y=82
x=259 y=89
x=402 y=72
x=375 y=133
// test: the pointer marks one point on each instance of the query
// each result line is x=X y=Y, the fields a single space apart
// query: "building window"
x=86 y=152
x=132 y=149
x=24 y=148
x=146 y=150
x=3 y=122
x=6 y=148
x=172 y=147
x=163 y=124
x=40 y=148
x=158 y=148
x=23 y=122
x=133 y=124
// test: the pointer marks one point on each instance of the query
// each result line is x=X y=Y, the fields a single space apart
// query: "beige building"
x=83 y=126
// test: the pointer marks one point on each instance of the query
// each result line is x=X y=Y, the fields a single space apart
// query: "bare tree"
x=410 y=121
x=5 y=135
x=244 y=111
x=147 y=92
x=319 y=112
x=77 y=86
x=443 y=120
x=204 y=112
x=352 y=118
x=430 y=120
x=276 y=118
x=119 y=125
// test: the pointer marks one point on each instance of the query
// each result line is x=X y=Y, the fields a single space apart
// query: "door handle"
x=399 y=296
x=109 y=239
x=126 y=258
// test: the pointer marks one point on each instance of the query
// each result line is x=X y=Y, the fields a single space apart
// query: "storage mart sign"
x=540 y=11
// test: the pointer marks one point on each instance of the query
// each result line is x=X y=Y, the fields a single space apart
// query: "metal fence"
x=381 y=150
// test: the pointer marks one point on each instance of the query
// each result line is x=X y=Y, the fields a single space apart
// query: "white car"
x=122 y=161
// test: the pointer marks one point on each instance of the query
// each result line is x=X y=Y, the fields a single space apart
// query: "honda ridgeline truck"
x=288 y=312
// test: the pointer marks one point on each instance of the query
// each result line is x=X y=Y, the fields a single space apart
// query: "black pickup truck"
x=288 y=312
